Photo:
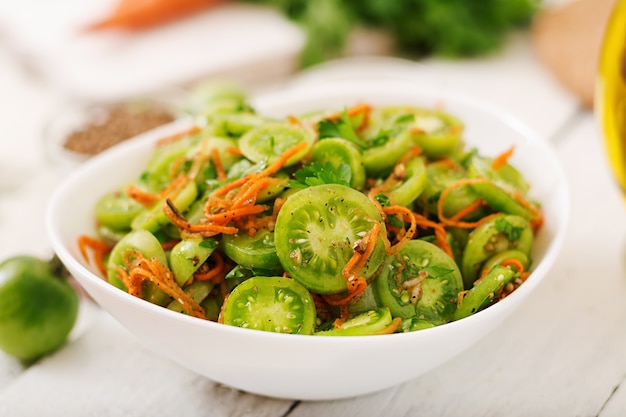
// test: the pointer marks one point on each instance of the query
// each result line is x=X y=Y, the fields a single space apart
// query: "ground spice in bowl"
x=108 y=126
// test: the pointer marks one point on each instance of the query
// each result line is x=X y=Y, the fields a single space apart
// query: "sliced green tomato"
x=338 y=151
x=413 y=184
x=504 y=182
x=492 y=237
x=413 y=324
x=503 y=256
x=236 y=124
x=117 y=210
x=197 y=290
x=484 y=291
x=506 y=177
x=380 y=159
x=437 y=133
x=269 y=141
x=421 y=281
x=188 y=255
x=141 y=241
x=274 y=189
x=363 y=302
x=315 y=233
x=273 y=304
x=500 y=200
x=109 y=235
x=153 y=217
x=157 y=172
x=364 y=324
x=439 y=177
x=253 y=252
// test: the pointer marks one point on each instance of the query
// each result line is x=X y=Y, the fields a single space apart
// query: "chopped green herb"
x=318 y=173
x=512 y=233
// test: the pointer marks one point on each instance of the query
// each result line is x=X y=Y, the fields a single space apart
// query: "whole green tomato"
x=38 y=309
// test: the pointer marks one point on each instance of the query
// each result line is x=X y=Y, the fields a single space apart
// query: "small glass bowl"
x=81 y=130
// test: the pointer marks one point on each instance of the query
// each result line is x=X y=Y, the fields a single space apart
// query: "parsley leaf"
x=318 y=173
x=511 y=232
x=405 y=118
x=383 y=199
x=340 y=128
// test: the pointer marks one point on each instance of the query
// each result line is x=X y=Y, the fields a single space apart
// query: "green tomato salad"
x=360 y=220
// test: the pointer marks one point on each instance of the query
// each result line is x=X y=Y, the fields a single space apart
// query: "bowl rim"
x=496 y=312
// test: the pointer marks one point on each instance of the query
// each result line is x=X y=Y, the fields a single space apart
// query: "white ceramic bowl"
x=309 y=367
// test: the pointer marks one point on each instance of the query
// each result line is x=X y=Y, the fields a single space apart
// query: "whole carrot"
x=143 y=14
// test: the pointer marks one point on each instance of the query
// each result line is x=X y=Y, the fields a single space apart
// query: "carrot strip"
x=409 y=234
x=234 y=150
x=500 y=160
x=178 y=136
x=280 y=162
x=169 y=244
x=249 y=192
x=513 y=262
x=412 y=153
x=537 y=220
x=143 y=14
x=216 y=273
x=217 y=163
x=146 y=199
x=395 y=325
x=142 y=269
x=363 y=108
x=466 y=211
x=458 y=223
x=355 y=287
x=205 y=229
x=351 y=271
x=99 y=249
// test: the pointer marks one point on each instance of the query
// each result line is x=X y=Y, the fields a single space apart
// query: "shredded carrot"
x=144 y=14
x=99 y=248
x=351 y=271
x=395 y=325
x=460 y=297
x=175 y=168
x=234 y=150
x=440 y=232
x=147 y=199
x=169 y=244
x=513 y=262
x=220 y=317
x=537 y=216
x=140 y=269
x=466 y=211
x=409 y=234
x=446 y=162
x=217 y=163
x=293 y=120
x=215 y=272
x=412 y=153
x=370 y=241
x=355 y=287
x=178 y=136
x=205 y=229
x=363 y=108
x=500 y=160
x=343 y=316
x=459 y=223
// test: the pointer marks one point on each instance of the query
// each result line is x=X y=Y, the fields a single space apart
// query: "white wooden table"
x=563 y=353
